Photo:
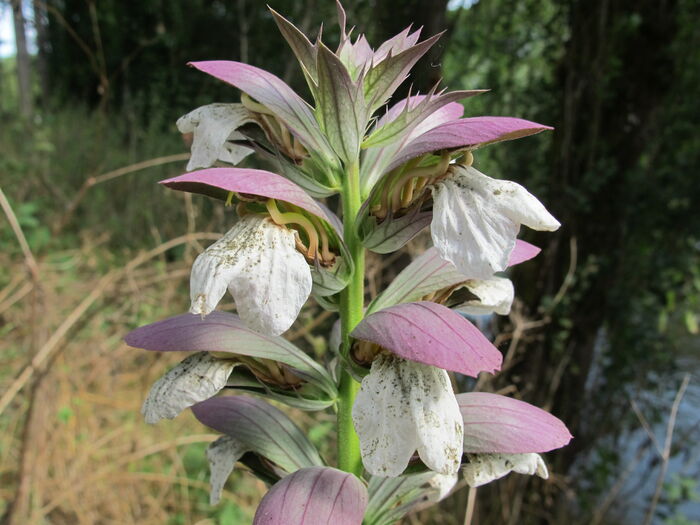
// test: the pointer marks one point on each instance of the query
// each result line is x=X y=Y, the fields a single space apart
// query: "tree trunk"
x=23 y=62
x=40 y=24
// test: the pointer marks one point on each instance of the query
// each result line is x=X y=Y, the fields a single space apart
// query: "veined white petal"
x=222 y=455
x=213 y=126
x=476 y=220
x=195 y=379
x=402 y=407
x=484 y=468
x=258 y=262
x=492 y=295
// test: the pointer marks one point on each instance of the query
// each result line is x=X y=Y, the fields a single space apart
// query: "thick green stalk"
x=351 y=313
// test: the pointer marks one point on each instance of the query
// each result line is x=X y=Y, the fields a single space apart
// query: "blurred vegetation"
x=607 y=313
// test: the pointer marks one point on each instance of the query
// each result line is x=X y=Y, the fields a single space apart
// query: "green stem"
x=351 y=313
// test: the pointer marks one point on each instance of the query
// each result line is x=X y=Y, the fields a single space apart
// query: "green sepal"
x=341 y=109
x=385 y=77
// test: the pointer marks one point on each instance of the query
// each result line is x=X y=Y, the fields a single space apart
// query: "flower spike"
x=394 y=172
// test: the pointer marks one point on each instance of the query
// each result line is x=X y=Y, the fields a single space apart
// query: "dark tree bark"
x=40 y=24
x=609 y=107
x=23 y=62
x=606 y=123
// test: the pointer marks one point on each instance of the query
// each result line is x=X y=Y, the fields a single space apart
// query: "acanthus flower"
x=404 y=406
x=258 y=262
x=283 y=247
x=428 y=178
x=406 y=402
x=476 y=219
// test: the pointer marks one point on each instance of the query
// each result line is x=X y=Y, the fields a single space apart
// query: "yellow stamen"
x=326 y=254
x=298 y=219
x=468 y=158
x=287 y=141
x=250 y=104
x=407 y=193
x=389 y=183
x=427 y=172
x=229 y=199
x=299 y=149
x=273 y=129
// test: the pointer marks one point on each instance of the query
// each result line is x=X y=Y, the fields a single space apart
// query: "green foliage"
x=48 y=165
x=679 y=490
x=134 y=54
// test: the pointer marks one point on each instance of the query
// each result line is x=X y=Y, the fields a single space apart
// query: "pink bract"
x=217 y=182
x=523 y=251
x=271 y=91
x=500 y=424
x=431 y=334
x=314 y=496
x=468 y=133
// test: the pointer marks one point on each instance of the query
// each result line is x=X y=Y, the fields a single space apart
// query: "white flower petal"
x=476 y=220
x=222 y=455
x=484 y=468
x=492 y=295
x=258 y=262
x=403 y=406
x=441 y=485
x=195 y=379
x=213 y=126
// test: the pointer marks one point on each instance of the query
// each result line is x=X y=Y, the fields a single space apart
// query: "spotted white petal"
x=259 y=264
x=195 y=379
x=476 y=220
x=402 y=407
x=489 y=295
x=222 y=455
x=484 y=468
x=213 y=127
x=440 y=486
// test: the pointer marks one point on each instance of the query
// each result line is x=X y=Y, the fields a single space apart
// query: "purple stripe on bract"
x=314 y=496
x=431 y=334
x=500 y=424
x=217 y=182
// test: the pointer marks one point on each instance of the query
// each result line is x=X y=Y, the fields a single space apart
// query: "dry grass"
x=73 y=448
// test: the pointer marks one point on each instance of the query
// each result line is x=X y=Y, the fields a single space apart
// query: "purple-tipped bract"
x=431 y=334
x=314 y=496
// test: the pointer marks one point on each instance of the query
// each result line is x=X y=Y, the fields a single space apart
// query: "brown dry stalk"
x=14 y=224
x=92 y=181
x=103 y=284
x=123 y=461
x=471 y=506
x=666 y=456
